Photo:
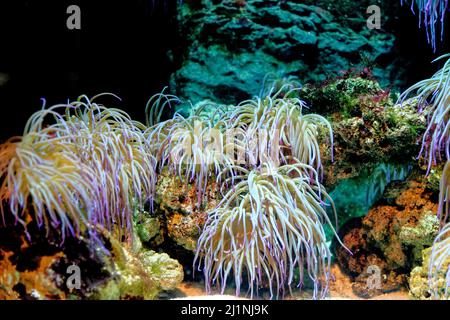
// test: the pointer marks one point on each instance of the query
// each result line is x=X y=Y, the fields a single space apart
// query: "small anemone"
x=273 y=82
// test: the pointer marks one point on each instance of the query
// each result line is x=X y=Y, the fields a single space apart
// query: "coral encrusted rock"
x=44 y=268
x=391 y=237
x=177 y=203
x=419 y=280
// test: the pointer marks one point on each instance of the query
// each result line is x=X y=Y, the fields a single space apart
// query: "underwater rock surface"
x=230 y=46
x=391 y=237
x=369 y=127
x=41 y=269
x=177 y=206
x=419 y=280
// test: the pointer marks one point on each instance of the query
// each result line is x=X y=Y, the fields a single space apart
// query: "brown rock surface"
x=387 y=239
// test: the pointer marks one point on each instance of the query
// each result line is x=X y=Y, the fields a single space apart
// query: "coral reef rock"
x=43 y=268
x=139 y=275
x=369 y=128
x=388 y=242
x=177 y=204
x=419 y=280
x=230 y=46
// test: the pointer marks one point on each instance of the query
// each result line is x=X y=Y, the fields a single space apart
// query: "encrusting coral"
x=176 y=203
x=391 y=236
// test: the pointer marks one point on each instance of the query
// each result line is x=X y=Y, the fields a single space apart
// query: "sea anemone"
x=274 y=83
x=266 y=226
x=434 y=93
x=265 y=154
x=88 y=166
x=45 y=181
x=288 y=132
x=192 y=147
x=249 y=134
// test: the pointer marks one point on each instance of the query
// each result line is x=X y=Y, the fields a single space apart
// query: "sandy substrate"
x=340 y=289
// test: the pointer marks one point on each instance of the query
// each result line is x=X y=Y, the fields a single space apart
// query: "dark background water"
x=122 y=48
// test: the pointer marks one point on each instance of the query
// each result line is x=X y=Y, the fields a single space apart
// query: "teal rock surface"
x=231 y=45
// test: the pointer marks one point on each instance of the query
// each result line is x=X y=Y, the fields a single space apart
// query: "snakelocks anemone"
x=267 y=229
x=279 y=120
x=434 y=93
x=271 y=221
x=89 y=165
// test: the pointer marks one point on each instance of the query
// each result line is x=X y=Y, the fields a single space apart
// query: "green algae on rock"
x=370 y=129
x=137 y=273
x=420 y=236
x=340 y=95
x=141 y=276
x=149 y=228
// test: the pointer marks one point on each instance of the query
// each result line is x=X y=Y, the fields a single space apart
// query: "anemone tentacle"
x=432 y=14
x=434 y=95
